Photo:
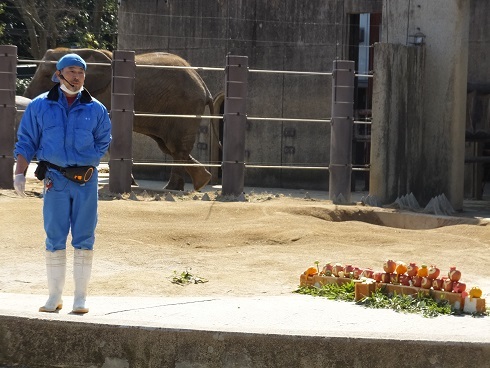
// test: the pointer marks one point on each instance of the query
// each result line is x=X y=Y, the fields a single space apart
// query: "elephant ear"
x=98 y=77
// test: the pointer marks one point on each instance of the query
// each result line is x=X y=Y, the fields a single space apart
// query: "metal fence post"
x=8 y=74
x=122 y=114
x=340 y=167
x=235 y=119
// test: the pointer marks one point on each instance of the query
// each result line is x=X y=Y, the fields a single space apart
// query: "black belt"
x=77 y=174
x=53 y=166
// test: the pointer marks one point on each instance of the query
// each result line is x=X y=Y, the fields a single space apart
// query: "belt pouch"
x=41 y=169
x=79 y=174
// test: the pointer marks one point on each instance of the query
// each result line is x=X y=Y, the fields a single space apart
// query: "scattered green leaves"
x=343 y=292
x=186 y=278
x=420 y=303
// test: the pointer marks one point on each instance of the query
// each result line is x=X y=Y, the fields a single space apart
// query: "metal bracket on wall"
x=202 y=145
x=289 y=132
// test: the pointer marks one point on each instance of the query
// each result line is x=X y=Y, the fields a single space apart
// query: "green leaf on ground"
x=186 y=278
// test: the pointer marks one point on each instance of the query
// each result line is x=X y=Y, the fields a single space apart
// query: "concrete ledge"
x=36 y=343
x=276 y=331
x=420 y=221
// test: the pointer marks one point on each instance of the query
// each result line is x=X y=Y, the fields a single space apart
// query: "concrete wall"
x=309 y=35
x=39 y=343
x=478 y=100
x=280 y=35
x=441 y=165
x=396 y=141
x=479 y=45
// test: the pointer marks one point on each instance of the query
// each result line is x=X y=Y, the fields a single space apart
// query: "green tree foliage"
x=2 y=25
x=37 y=25
x=11 y=29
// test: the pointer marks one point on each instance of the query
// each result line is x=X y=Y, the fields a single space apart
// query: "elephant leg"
x=176 y=180
x=199 y=175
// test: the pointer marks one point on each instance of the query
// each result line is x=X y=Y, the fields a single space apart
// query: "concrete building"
x=294 y=35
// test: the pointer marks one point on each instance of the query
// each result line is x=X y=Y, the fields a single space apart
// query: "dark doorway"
x=364 y=31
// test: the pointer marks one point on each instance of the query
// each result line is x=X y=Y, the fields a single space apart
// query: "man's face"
x=74 y=75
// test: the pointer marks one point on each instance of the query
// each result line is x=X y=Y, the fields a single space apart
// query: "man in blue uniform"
x=68 y=131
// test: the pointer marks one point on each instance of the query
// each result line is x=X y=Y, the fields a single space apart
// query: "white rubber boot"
x=82 y=268
x=56 y=272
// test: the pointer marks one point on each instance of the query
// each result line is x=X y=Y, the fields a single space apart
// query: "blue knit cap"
x=69 y=60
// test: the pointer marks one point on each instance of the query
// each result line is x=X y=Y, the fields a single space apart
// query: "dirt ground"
x=256 y=247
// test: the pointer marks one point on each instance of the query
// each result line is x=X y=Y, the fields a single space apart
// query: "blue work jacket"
x=52 y=131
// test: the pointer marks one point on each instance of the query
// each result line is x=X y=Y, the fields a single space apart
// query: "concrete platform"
x=257 y=331
x=273 y=331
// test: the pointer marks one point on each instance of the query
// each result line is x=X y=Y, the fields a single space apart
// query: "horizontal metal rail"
x=288 y=72
x=180 y=67
x=250 y=166
x=290 y=119
x=202 y=68
x=179 y=116
x=251 y=118
x=248 y=118
x=55 y=61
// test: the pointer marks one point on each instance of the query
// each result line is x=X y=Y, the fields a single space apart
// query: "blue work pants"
x=69 y=205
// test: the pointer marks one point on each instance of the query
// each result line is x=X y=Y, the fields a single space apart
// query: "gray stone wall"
x=441 y=168
x=479 y=45
x=478 y=118
x=397 y=145
x=292 y=35
x=285 y=35
x=478 y=101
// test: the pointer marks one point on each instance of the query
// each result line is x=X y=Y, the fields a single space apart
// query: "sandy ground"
x=256 y=247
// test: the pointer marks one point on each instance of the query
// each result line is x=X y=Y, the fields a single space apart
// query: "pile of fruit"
x=400 y=273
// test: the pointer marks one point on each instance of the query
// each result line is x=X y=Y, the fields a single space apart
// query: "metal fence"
x=234 y=117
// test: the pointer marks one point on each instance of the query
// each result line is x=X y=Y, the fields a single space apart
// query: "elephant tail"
x=209 y=101
x=210 y=104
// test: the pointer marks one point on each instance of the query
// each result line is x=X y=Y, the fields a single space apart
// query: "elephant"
x=157 y=91
x=21 y=104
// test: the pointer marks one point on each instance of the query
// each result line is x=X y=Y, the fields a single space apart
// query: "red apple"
x=434 y=272
x=369 y=273
x=459 y=287
x=437 y=284
x=337 y=268
x=417 y=281
x=454 y=274
x=348 y=269
x=412 y=269
x=385 y=277
x=389 y=266
x=378 y=276
x=327 y=269
x=357 y=273
x=447 y=284
x=404 y=280
x=426 y=283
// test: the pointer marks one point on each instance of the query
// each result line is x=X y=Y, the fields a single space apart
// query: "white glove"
x=20 y=184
